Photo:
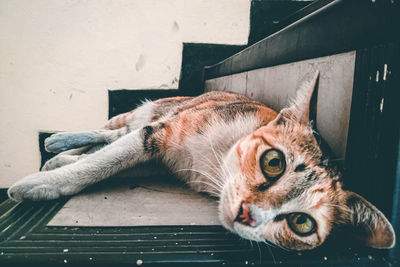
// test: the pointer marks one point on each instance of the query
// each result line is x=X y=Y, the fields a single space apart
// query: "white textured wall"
x=59 y=58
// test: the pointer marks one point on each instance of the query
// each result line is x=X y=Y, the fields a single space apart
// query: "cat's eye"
x=272 y=164
x=301 y=223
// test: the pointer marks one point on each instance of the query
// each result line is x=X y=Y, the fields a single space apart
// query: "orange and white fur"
x=273 y=180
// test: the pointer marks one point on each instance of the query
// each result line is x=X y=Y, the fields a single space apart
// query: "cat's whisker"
x=212 y=186
x=272 y=254
x=205 y=183
x=213 y=150
x=226 y=172
x=220 y=173
x=212 y=179
x=218 y=157
x=251 y=243
x=214 y=168
x=259 y=252
x=275 y=245
x=216 y=192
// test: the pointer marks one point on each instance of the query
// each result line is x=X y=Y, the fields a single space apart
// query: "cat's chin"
x=228 y=214
x=237 y=228
x=246 y=232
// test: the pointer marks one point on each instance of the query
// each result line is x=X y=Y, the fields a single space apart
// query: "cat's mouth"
x=245 y=216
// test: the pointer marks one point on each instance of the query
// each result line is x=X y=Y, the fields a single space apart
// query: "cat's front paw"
x=33 y=187
x=59 y=161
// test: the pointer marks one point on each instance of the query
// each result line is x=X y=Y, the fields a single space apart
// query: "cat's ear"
x=303 y=107
x=368 y=224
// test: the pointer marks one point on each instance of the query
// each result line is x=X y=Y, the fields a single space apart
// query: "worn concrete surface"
x=138 y=202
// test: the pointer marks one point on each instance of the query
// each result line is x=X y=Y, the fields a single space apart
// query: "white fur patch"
x=206 y=153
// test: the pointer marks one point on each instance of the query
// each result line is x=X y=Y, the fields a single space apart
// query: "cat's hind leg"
x=64 y=141
x=114 y=129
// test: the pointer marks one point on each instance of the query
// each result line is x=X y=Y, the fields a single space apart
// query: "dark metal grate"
x=25 y=238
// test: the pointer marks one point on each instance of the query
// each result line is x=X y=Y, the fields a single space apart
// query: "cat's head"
x=283 y=189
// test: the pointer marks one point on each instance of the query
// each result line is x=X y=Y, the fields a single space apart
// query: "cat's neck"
x=205 y=170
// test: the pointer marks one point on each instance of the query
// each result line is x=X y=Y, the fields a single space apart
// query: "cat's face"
x=282 y=189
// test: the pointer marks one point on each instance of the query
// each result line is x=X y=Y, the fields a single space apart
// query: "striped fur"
x=215 y=143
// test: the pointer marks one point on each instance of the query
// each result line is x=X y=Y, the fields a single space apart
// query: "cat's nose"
x=244 y=216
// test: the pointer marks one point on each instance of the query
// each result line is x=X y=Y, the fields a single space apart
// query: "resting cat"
x=273 y=180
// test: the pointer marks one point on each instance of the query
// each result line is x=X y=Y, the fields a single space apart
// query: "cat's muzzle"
x=245 y=216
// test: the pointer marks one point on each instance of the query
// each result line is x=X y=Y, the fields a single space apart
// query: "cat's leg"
x=60 y=160
x=116 y=127
x=64 y=141
x=124 y=153
x=64 y=158
x=70 y=156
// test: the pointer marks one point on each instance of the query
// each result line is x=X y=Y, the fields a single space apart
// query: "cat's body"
x=190 y=135
x=274 y=182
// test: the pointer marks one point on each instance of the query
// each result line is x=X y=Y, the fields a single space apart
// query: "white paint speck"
x=385 y=71
x=139 y=262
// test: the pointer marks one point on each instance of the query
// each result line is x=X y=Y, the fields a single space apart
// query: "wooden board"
x=274 y=86
x=138 y=202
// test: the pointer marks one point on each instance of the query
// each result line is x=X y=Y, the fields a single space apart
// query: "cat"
x=273 y=181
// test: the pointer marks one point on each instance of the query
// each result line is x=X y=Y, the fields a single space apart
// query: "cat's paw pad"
x=32 y=189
